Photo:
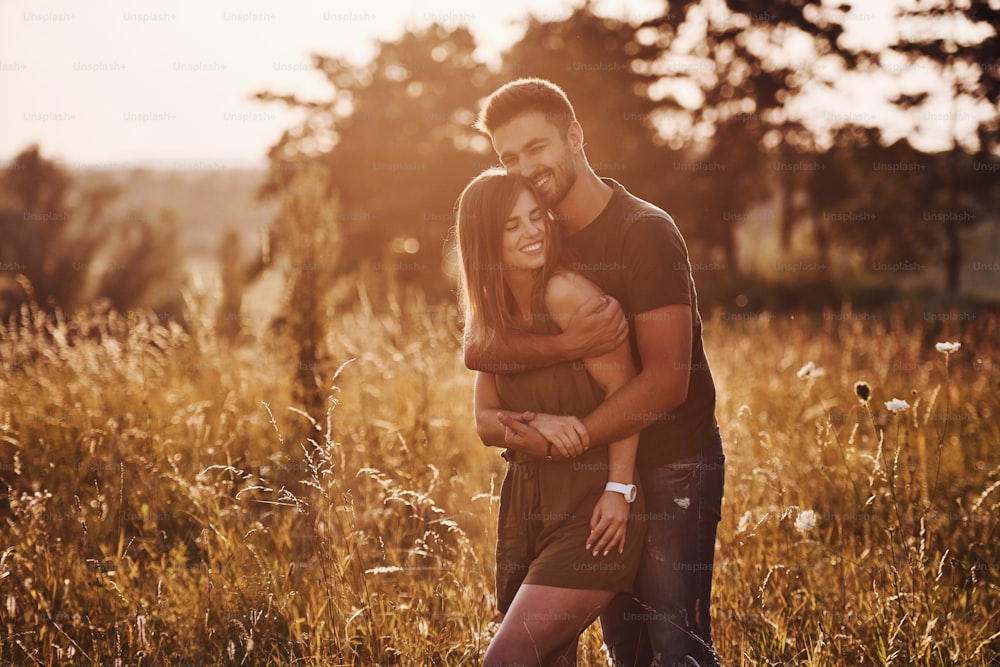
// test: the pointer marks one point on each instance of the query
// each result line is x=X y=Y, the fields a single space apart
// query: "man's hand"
x=597 y=327
x=519 y=435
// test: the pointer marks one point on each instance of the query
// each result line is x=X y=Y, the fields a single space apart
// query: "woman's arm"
x=565 y=432
x=611 y=371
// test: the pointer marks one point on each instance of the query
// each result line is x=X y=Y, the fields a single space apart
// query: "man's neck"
x=584 y=202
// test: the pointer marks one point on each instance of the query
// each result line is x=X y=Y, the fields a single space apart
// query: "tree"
x=36 y=233
x=757 y=57
x=232 y=276
x=870 y=197
x=727 y=79
x=63 y=256
x=961 y=42
x=141 y=265
x=397 y=141
x=312 y=251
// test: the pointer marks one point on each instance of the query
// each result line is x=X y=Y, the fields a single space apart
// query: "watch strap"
x=627 y=490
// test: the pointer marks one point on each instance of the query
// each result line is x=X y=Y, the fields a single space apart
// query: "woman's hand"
x=567 y=434
x=608 y=524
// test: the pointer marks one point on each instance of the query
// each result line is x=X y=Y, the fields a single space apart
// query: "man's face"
x=533 y=147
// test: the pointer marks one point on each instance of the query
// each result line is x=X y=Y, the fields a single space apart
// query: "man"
x=635 y=253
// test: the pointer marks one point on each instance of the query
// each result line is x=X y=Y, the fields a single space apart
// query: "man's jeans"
x=669 y=624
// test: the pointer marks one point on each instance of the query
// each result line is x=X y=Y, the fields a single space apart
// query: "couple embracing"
x=582 y=324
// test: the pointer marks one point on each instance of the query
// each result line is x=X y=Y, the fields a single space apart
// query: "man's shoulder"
x=634 y=209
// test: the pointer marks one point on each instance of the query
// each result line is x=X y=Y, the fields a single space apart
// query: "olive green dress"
x=546 y=506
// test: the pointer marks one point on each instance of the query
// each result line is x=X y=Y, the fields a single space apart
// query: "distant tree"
x=863 y=195
x=730 y=84
x=36 y=234
x=727 y=80
x=232 y=276
x=64 y=255
x=397 y=140
x=960 y=41
x=311 y=253
x=142 y=265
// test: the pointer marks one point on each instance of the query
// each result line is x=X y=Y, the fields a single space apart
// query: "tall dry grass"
x=167 y=504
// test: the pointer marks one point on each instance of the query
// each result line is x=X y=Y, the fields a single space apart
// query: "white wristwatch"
x=627 y=490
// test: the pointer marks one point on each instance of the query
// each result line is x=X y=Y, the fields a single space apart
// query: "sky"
x=169 y=84
x=110 y=83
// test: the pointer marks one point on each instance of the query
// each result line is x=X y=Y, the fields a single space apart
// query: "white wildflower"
x=947 y=348
x=810 y=371
x=744 y=522
x=896 y=404
x=805 y=521
x=140 y=625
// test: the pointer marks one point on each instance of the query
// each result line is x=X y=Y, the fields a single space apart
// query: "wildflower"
x=744 y=522
x=947 y=348
x=863 y=391
x=896 y=404
x=805 y=521
x=810 y=371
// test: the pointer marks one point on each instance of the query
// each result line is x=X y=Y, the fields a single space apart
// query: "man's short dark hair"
x=529 y=95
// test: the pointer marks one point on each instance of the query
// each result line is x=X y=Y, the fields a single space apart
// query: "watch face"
x=630 y=496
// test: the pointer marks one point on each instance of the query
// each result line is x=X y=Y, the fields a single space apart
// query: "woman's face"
x=523 y=245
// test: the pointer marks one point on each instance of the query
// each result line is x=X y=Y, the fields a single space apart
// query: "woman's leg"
x=542 y=622
x=565 y=657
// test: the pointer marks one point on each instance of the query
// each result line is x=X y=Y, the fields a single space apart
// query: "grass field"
x=167 y=504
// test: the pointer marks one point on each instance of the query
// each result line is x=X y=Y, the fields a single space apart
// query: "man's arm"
x=597 y=327
x=664 y=340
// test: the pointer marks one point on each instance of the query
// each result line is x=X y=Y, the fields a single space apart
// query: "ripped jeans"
x=669 y=624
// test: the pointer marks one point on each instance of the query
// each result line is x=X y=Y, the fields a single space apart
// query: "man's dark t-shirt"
x=634 y=252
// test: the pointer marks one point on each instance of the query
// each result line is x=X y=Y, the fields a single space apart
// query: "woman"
x=565 y=544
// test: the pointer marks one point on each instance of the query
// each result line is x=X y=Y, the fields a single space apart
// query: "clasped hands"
x=534 y=431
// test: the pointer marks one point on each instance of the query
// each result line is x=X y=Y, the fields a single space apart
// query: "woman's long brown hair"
x=481 y=213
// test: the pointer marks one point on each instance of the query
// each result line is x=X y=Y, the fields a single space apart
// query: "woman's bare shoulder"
x=566 y=291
